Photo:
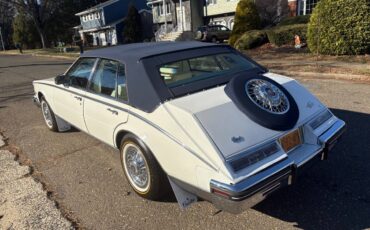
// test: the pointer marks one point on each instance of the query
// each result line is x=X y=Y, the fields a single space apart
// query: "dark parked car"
x=213 y=33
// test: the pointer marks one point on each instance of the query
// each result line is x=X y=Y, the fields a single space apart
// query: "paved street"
x=85 y=177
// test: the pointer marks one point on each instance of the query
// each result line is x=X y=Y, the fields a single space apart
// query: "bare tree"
x=40 y=11
x=7 y=12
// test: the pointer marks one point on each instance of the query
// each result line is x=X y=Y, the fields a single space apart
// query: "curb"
x=42 y=55
x=328 y=76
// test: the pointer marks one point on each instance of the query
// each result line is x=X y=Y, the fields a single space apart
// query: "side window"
x=104 y=79
x=80 y=72
x=121 y=83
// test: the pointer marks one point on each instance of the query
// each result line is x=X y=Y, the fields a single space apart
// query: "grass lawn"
x=289 y=59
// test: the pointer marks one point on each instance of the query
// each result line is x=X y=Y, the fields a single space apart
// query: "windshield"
x=205 y=67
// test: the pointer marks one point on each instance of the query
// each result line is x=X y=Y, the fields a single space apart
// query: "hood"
x=46 y=81
x=220 y=118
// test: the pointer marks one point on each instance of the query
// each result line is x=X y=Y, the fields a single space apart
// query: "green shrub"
x=246 y=18
x=283 y=35
x=302 y=19
x=251 y=39
x=340 y=27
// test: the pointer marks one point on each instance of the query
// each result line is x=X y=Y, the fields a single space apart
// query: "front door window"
x=80 y=72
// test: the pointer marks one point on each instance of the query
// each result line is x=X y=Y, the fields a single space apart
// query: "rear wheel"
x=142 y=170
x=214 y=39
x=49 y=116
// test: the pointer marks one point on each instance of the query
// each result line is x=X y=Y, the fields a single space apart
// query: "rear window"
x=190 y=70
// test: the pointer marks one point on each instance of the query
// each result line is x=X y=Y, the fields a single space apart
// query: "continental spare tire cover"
x=264 y=101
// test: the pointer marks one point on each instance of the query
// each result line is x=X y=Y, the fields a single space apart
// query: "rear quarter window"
x=195 y=69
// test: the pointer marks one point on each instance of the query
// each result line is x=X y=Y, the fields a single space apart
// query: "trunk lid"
x=224 y=123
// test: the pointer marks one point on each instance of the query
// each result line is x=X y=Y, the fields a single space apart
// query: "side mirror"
x=61 y=79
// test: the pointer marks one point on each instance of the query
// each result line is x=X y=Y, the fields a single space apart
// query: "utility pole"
x=2 y=41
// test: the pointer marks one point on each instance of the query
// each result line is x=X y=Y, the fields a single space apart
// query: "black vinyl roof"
x=139 y=51
x=146 y=89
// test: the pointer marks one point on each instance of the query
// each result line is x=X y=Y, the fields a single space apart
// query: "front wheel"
x=142 y=170
x=49 y=116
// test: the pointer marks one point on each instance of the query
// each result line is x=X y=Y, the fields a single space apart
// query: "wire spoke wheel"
x=136 y=167
x=267 y=96
x=47 y=114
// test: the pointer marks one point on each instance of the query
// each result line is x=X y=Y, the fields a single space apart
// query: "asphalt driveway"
x=85 y=177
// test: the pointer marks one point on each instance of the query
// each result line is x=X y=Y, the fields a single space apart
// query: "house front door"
x=103 y=38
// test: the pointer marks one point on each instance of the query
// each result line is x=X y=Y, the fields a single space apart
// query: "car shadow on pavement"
x=16 y=97
x=333 y=194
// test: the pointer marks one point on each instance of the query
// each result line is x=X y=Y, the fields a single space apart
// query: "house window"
x=97 y=16
x=160 y=9
x=306 y=6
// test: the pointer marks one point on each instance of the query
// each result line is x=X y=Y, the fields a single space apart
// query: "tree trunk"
x=43 y=39
x=41 y=31
x=279 y=9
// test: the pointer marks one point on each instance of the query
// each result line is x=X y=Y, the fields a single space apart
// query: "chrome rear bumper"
x=235 y=198
x=331 y=136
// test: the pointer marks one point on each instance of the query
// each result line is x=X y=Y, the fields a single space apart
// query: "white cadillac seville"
x=201 y=120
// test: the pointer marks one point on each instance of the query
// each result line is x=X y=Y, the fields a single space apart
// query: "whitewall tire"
x=48 y=115
x=142 y=170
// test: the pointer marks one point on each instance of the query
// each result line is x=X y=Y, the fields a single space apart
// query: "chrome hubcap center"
x=267 y=96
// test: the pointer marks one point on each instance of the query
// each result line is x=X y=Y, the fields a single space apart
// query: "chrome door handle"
x=78 y=98
x=115 y=112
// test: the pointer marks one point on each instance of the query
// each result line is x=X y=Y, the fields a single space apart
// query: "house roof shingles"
x=96 y=7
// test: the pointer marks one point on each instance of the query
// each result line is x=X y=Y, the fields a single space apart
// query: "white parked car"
x=201 y=120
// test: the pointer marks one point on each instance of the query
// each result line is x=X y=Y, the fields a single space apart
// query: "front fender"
x=44 y=90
